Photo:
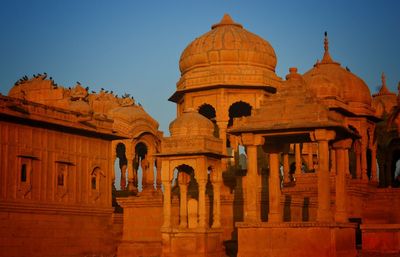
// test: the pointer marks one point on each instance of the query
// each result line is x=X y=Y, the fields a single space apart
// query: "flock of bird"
x=43 y=76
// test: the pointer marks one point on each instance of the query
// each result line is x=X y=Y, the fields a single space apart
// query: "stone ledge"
x=380 y=227
x=295 y=225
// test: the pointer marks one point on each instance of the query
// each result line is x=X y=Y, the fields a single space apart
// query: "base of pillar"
x=192 y=243
x=300 y=239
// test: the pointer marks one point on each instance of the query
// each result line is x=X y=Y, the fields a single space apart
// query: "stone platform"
x=382 y=238
x=197 y=242
x=300 y=239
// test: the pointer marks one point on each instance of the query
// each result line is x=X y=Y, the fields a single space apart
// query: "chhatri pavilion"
x=254 y=165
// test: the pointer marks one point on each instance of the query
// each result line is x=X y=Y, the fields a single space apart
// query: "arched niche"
x=238 y=109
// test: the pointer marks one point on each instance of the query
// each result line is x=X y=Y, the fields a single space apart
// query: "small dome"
x=329 y=80
x=191 y=123
x=131 y=114
x=227 y=55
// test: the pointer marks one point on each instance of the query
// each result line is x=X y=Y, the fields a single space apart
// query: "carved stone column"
x=310 y=156
x=148 y=173
x=114 y=157
x=201 y=177
x=251 y=181
x=374 y=170
x=323 y=136
x=274 y=214
x=341 y=170
x=166 y=182
x=131 y=171
x=332 y=154
x=202 y=202
x=183 y=180
x=364 y=175
x=297 y=152
x=286 y=168
x=216 y=184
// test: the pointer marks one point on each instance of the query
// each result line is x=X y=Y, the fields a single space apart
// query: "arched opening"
x=238 y=109
x=208 y=111
x=120 y=174
x=141 y=165
x=395 y=168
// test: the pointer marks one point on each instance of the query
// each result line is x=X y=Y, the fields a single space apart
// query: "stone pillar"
x=274 y=214
x=183 y=180
x=286 y=168
x=310 y=156
x=251 y=181
x=201 y=177
x=297 y=152
x=148 y=180
x=131 y=172
x=202 y=203
x=332 y=153
x=347 y=163
x=216 y=184
x=158 y=175
x=251 y=185
x=341 y=170
x=357 y=150
x=166 y=182
x=374 y=170
x=114 y=158
x=323 y=136
x=364 y=175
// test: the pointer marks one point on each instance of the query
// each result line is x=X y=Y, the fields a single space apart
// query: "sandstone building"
x=255 y=165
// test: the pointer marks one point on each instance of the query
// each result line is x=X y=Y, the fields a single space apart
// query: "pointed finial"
x=327 y=57
x=383 y=78
x=226 y=20
x=326 y=42
x=384 y=90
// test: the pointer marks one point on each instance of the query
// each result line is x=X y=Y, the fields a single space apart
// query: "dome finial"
x=384 y=90
x=327 y=57
x=326 y=42
x=383 y=78
x=226 y=20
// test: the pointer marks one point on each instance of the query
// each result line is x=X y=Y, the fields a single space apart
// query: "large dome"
x=228 y=55
x=327 y=79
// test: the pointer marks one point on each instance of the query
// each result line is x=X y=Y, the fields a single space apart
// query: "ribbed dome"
x=191 y=123
x=228 y=54
x=328 y=79
x=131 y=114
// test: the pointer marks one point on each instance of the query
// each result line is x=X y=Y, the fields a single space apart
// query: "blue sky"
x=134 y=46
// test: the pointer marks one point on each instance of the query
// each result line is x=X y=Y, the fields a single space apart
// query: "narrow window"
x=23 y=173
x=60 y=179
x=94 y=183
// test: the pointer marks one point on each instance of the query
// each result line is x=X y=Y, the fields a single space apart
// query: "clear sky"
x=134 y=46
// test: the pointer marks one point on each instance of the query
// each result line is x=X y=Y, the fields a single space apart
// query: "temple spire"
x=327 y=57
x=384 y=90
